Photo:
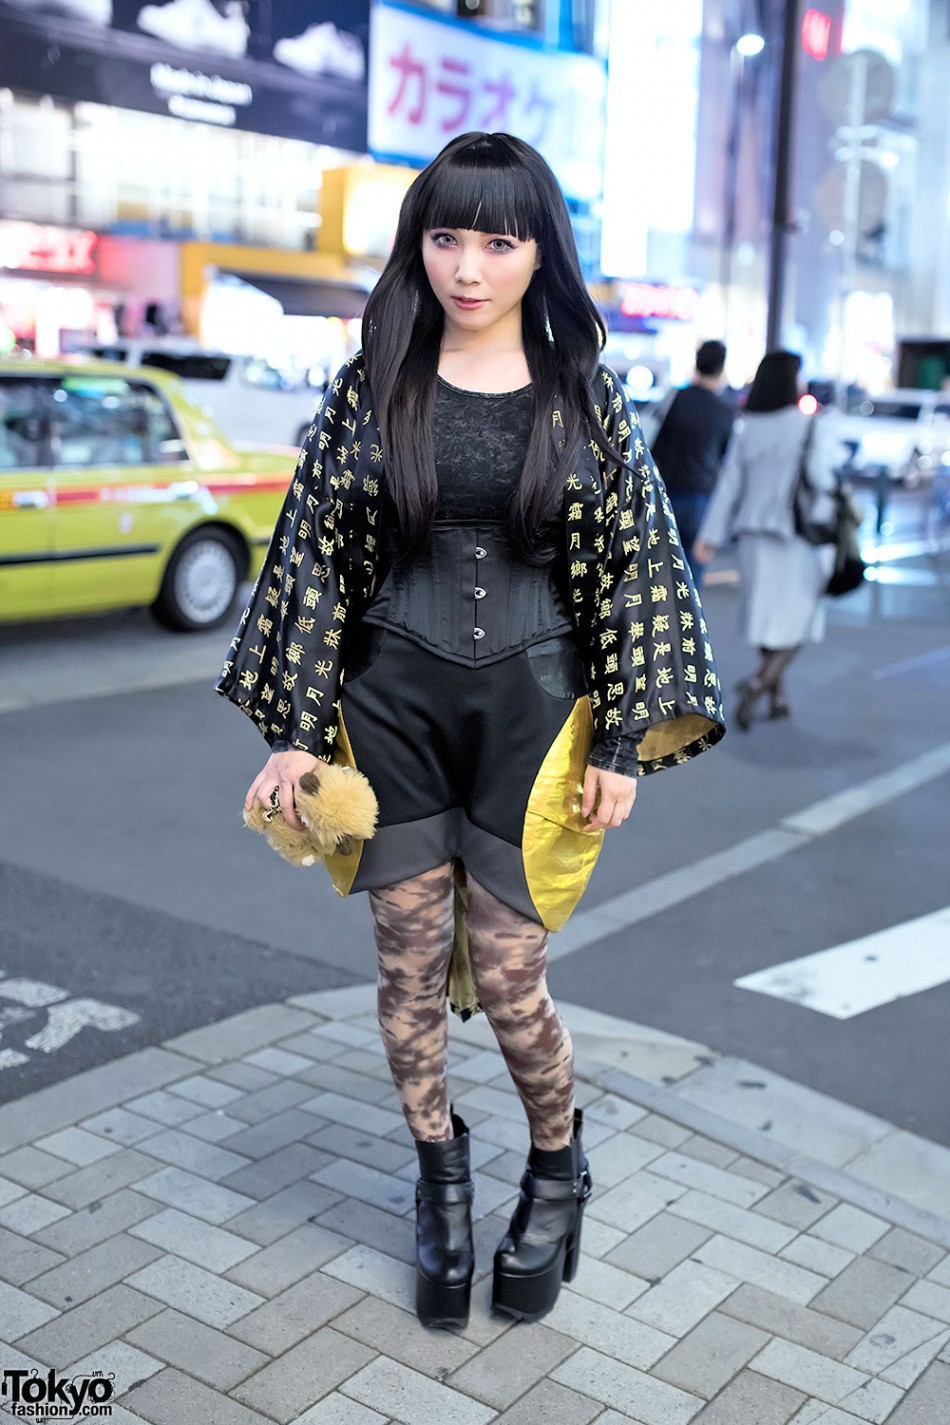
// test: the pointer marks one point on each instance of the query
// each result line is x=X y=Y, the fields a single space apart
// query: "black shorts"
x=456 y=754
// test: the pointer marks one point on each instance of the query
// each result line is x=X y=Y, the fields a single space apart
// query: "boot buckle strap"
x=444 y=1192
x=556 y=1189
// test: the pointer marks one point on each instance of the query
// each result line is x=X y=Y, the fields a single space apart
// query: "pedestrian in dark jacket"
x=691 y=442
x=476 y=594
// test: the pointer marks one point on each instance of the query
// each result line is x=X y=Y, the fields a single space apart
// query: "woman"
x=782 y=576
x=476 y=598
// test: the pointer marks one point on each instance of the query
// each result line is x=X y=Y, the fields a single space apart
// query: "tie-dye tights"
x=414 y=924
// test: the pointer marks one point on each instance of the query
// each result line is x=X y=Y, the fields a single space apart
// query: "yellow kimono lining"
x=342 y=868
x=665 y=739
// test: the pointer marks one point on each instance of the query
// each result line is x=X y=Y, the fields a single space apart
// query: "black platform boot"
x=445 y=1256
x=543 y=1243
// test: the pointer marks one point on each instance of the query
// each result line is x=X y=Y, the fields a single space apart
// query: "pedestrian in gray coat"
x=783 y=577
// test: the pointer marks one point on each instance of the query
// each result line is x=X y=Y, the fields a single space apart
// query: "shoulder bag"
x=815 y=510
x=849 y=570
x=824 y=517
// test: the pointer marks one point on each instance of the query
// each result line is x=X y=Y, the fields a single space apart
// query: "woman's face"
x=479 y=278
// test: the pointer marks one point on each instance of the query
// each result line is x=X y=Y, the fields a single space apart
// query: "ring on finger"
x=275 y=798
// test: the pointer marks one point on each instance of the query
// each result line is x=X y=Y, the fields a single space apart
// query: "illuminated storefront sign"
x=359 y=207
x=269 y=69
x=201 y=97
x=432 y=78
x=816 y=33
x=30 y=247
x=653 y=299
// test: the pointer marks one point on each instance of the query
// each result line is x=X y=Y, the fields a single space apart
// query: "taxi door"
x=25 y=497
x=120 y=503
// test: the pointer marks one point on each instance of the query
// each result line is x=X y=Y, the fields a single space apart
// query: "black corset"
x=469 y=599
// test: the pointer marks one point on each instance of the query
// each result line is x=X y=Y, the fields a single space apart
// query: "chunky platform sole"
x=547 y=1219
x=527 y=1298
x=441 y=1305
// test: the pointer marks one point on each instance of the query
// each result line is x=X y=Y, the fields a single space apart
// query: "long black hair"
x=486 y=183
x=775 y=384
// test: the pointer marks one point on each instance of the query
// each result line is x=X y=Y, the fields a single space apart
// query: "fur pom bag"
x=338 y=808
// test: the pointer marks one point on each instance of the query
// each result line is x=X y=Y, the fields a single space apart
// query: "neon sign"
x=816 y=33
x=30 y=247
x=653 y=299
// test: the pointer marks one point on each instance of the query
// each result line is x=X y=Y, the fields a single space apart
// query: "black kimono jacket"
x=648 y=661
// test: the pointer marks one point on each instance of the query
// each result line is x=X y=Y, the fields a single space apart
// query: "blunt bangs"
x=479 y=190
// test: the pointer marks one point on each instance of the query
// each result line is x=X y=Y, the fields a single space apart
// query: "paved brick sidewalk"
x=225 y=1226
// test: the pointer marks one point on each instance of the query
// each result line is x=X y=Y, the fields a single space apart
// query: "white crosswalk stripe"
x=850 y=979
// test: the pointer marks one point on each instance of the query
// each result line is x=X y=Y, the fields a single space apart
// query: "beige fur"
x=339 y=808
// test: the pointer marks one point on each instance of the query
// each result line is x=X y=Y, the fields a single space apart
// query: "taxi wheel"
x=201 y=581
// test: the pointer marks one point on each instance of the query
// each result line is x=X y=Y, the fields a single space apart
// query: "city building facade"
x=690 y=201
x=234 y=172
x=182 y=167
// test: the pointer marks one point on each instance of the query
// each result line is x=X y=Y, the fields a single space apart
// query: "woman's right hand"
x=281 y=773
x=703 y=551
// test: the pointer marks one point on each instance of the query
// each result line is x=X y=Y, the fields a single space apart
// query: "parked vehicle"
x=117 y=490
x=251 y=399
x=904 y=434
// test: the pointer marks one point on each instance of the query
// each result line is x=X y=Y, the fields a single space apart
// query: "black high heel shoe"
x=751 y=690
x=543 y=1243
x=778 y=704
x=445 y=1255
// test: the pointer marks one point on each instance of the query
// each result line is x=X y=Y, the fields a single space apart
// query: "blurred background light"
x=750 y=44
x=640 y=380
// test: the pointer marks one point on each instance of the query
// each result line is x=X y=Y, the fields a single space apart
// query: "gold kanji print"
x=611 y=513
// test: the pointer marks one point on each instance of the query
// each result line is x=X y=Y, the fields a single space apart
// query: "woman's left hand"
x=617 y=796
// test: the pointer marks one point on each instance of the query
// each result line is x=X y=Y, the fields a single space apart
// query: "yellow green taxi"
x=117 y=491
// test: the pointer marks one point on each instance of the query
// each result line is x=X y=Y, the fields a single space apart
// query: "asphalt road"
x=136 y=906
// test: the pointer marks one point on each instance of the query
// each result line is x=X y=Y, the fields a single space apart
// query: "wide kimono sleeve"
x=285 y=662
x=653 y=674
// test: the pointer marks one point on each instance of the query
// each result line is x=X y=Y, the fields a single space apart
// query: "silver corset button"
x=480 y=552
x=478 y=633
x=479 y=593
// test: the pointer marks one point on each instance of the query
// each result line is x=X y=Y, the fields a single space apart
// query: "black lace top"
x=480 y=439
